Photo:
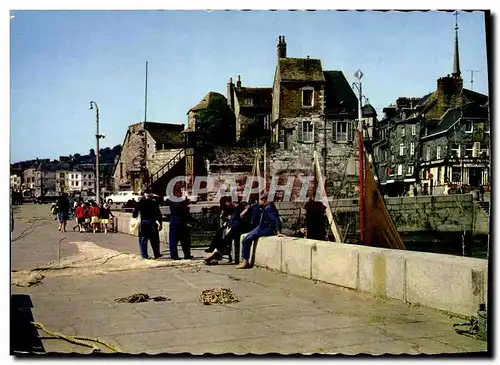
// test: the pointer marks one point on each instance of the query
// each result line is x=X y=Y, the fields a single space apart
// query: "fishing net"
x=92 y=260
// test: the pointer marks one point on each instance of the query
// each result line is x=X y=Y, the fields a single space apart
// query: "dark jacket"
x=149 y=210
x=270 y=218
x=179 y=211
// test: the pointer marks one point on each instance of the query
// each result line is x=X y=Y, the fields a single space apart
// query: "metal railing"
x=165 y=168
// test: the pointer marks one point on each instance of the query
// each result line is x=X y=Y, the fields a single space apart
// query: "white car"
x=122 y=197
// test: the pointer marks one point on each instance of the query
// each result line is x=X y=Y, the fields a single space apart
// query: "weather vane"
x=456 y=19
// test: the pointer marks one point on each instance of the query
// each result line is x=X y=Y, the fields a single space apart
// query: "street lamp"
x=358 y=85
x=97 y=137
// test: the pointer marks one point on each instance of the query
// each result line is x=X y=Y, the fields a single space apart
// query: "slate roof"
x=368 y=111
x=470 y=95
x=205 y=102
x=168 y=134
x=300 y=69
x=469 y=110
x=262 y=96
x=337 y=89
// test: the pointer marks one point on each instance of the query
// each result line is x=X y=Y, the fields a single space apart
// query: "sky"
x=61 y=60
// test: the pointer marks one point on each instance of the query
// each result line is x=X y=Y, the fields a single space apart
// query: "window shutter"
x=300 y=130
x=334 y=130
x=312 y=134
x=476 y=148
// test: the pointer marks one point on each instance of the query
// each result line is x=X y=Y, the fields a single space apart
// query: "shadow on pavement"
x=23 y=334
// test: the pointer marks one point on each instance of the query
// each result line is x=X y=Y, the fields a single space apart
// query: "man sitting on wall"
x=269 y=224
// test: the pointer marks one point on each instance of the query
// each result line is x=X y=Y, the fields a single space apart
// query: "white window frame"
x=400 y=169
x=456 y=150
x=411 y=170
x=469 y=149
x=403 y=130
x=307 y=88
x=402 y=148
x=349 y=132
x=301 y=136
x=414 y=130
x=428 y=155
x=412 y=148
x=438 y=152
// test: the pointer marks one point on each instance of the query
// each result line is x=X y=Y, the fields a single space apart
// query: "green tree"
x=216 y=124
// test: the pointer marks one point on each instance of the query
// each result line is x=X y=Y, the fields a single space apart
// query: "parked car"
x=122 y=197
x=50 y=197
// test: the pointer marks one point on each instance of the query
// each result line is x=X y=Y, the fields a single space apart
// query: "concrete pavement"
x=276 y=313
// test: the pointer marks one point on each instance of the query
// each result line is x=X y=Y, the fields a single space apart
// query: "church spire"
x=456 y=57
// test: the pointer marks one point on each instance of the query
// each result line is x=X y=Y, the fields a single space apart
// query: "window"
x=72 y=183
x=455 y=150
x=392 y=158
x=428 y=157
x=476 y=149
x=72 y=176
x=469 y=126
x=469 y=150
x=402 y=149
x=261 y=120
x=439 y=176
x=438 y=152
x=288 y=138
x=307 y=97
x=121 y=170
x=414 y=130
x=84 y=183
x=400 y=169
x=343 y=131
x=410 y=170
x=305 y=131
x=403 y=130
x=61 y=175
x=412 y=148
x=249 y=101
x=76 y=183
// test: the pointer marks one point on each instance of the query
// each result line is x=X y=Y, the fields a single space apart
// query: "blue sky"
x=60 y=60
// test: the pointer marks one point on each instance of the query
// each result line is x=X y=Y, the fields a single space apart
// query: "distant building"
x=15 y=182
x=147 y=149
x=440 y=138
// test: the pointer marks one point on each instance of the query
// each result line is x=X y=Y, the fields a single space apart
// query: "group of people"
x=260 y=219
x=151 y=224
x=89 y=216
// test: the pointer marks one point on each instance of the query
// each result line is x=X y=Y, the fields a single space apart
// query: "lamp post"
x=97 y=137
x=361 y=169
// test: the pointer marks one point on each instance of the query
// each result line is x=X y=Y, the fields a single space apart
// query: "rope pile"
x=218 y=296
x=77 y=340
x=140 y=298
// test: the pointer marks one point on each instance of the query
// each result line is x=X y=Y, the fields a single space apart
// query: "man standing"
x=315 y=220
x=269 y=224
x=63 y=211
x=179 y=229
x=151 y=224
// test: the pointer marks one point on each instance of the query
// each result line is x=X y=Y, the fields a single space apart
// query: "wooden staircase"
x=168 y=166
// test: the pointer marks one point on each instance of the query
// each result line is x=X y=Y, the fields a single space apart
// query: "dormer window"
x=307 y=97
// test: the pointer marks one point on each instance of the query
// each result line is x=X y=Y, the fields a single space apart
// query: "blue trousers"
x=179 y=232
x=149 y=231
x=252 y=237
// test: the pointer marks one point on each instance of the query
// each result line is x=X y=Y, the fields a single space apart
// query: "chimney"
x=230 y=93
x=449 y=93
x=238 y=82
x=281 y=47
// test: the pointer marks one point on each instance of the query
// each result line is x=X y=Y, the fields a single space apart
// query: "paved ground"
x=276 y=313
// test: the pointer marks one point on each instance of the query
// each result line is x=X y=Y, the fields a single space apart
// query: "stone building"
x=252 y=108
x=313 y=110
x=150 y=151
x=442 y=137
